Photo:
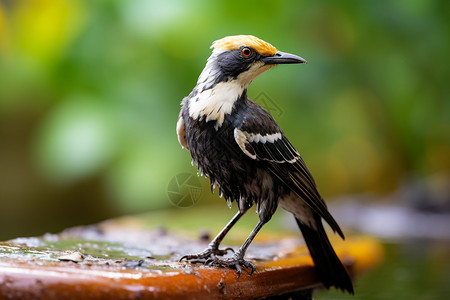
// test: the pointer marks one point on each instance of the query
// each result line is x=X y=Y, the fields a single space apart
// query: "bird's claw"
x=234 y=262
x=209 y=257
x=206 y=255
x=226 y=250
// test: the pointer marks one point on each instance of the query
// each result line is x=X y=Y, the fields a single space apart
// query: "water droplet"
x=192 y=162
x=220 y=194
x=229 y=203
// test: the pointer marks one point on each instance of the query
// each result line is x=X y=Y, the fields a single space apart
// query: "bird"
x=240 y=147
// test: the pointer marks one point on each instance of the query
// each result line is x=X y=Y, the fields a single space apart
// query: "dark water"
x=415 y=269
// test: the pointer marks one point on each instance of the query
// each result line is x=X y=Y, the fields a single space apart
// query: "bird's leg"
x=237 y=260
x=213 y=248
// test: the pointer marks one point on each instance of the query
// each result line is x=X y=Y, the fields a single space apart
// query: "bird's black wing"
x=260 y=138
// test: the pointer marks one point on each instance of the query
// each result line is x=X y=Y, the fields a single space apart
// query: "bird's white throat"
x=214 y=103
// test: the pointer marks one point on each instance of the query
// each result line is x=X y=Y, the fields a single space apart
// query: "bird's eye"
x=246 y=52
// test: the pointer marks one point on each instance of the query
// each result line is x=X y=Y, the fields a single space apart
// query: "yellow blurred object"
x=365 y=250
x=43 y=28
x=3 y=34
x=361 y=252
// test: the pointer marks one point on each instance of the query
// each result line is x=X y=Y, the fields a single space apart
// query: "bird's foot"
x=236 y=262
x=209 y=253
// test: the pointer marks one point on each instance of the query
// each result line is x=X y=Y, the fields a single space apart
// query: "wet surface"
x=124 y=257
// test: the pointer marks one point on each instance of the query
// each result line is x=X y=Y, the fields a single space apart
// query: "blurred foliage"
x=90 y=93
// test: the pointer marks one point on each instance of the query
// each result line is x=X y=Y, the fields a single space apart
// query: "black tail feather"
x=329 y=268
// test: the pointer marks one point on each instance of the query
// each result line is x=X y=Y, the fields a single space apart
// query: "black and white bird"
x=238 y=145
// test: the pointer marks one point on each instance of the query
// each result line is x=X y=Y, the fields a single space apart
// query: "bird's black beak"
x=283 y=58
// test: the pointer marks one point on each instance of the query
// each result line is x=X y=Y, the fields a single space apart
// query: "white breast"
x=213 y=104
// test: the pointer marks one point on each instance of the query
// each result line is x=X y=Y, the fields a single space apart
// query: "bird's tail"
x=329 y=268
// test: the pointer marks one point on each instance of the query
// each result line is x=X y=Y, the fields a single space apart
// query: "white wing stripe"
x=258 y=138
x=267 y=144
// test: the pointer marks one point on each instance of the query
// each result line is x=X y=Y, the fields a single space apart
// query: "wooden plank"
x=121 y=260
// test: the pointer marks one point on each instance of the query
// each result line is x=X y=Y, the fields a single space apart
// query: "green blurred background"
x=90 y=93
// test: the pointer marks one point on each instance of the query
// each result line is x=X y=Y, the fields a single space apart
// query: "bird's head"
x=242 y=58
x=235 y=61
